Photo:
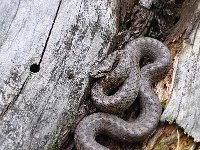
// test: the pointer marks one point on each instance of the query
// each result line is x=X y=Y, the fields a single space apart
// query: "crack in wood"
x=14 y=99
x=48 y=100
x=26 y=80
x=14 y=16
x=47 y=40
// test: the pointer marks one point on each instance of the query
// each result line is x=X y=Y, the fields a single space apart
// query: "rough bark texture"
x=64 y=39
x=188 y=18
x=184 y=104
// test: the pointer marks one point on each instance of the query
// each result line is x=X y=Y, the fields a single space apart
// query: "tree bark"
x=184 y=104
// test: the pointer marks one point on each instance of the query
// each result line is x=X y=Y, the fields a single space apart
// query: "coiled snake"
x=125 y=64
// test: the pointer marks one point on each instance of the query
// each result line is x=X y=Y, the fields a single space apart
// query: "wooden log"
x=184 y=104
x=46 y=50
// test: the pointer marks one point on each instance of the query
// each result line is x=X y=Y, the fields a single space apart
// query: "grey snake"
x=134 y=82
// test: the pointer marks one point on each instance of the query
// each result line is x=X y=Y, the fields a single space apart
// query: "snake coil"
x=132 y=84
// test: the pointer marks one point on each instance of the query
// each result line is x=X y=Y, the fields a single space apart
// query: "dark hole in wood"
x=70 y=76
x=153 y=28
x=163 y=109
x=179 y=1
x=177 y=18
x=35 y=68
x=128 y=24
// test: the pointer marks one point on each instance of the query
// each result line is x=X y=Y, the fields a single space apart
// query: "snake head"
x=102 y=68
x=98 y=72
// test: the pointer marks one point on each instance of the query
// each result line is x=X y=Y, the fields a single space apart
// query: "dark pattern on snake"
x=146 y=122
x=118 y=68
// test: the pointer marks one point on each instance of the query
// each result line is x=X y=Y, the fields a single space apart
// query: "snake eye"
x=94 y=73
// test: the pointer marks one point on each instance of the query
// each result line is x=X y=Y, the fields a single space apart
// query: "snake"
x=150 y=108
x=120 y=67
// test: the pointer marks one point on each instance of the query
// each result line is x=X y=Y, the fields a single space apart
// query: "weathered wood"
x=21 y=42
x=146 y=3
x=184 y=104
x=189 y=18
x=64 y=38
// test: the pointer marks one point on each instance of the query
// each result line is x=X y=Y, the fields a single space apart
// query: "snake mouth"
x=98 y=74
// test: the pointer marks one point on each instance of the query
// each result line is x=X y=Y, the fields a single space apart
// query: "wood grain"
x=64 y=38
x=184 y=104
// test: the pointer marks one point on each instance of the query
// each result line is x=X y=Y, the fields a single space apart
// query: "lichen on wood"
x=62 y=39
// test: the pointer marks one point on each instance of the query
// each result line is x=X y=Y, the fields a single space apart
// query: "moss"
x=55 y=145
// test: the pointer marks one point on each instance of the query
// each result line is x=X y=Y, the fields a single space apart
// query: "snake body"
x=139 y=129
x=126 y=72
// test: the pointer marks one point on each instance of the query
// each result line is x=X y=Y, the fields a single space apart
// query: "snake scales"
x=125 y=69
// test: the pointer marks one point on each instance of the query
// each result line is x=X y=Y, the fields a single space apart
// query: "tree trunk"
x=46 y=50
x=184 y=104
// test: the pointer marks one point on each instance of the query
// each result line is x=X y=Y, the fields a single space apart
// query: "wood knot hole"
x=70 y=75
x=35 y=68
